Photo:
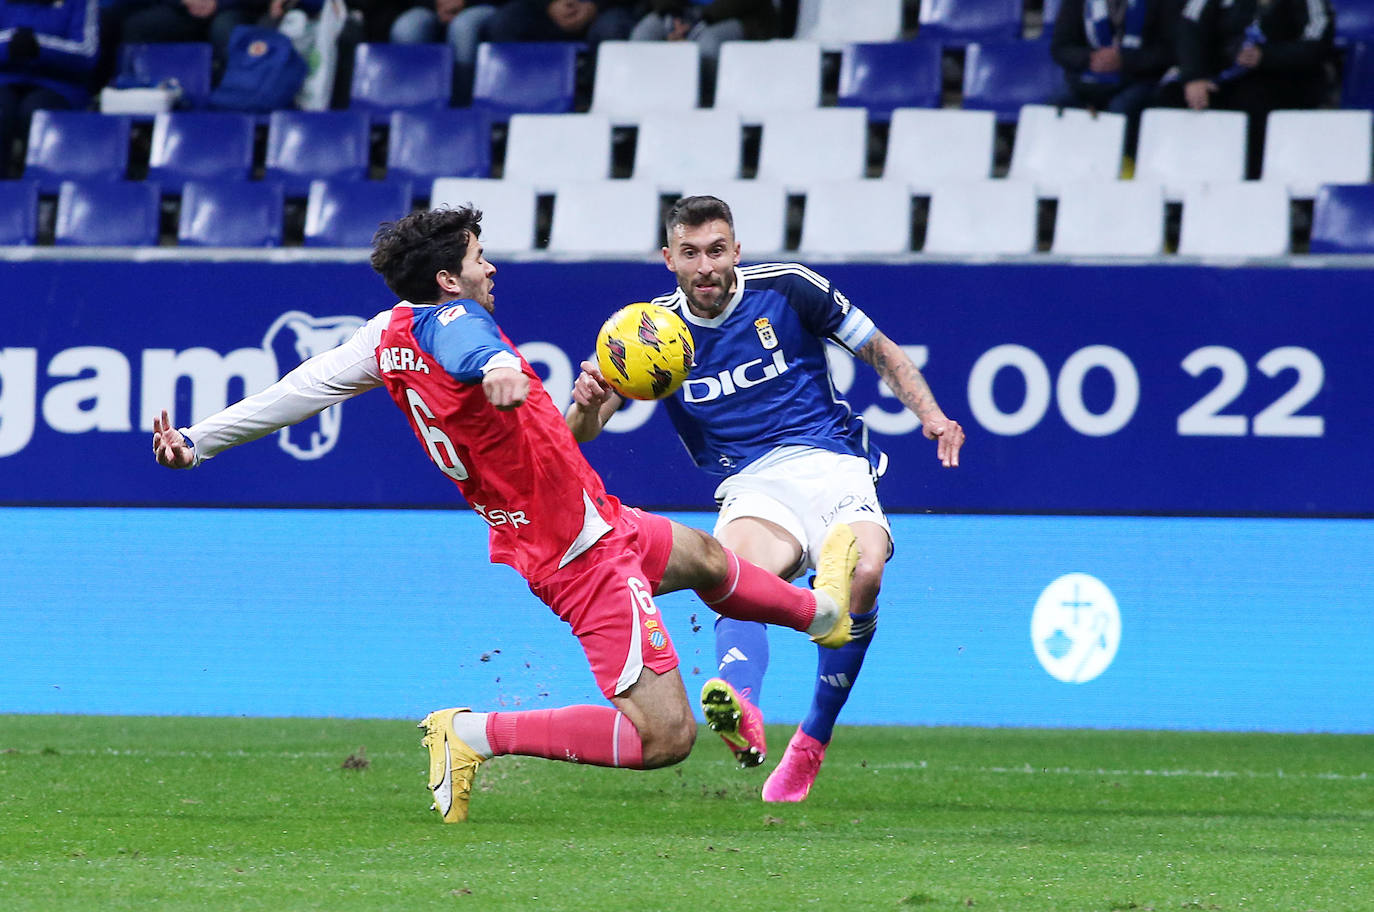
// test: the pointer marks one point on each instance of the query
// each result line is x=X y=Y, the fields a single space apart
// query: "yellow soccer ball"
x=644 y=351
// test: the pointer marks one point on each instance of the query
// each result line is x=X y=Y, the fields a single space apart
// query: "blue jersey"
x=761 y=380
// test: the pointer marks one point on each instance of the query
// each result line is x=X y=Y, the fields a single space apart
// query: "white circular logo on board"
x=1076 y=628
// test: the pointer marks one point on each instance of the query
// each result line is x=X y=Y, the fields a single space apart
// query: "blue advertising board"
x=1141 y=389
x=1079 y=621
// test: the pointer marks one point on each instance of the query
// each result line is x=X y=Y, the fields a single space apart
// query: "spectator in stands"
x=48 y=51
x=458 y=22
x=1114 y=53
x=154 y=21
x=592 y=21
x=708 y=23
x=1254 y=56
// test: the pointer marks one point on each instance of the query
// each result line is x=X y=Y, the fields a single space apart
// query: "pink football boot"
x=800 y=763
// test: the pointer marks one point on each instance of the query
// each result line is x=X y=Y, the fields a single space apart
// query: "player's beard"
x=725 y=286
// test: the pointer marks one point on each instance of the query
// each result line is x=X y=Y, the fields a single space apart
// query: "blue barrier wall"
x=1177 y=389
x=1192 y=623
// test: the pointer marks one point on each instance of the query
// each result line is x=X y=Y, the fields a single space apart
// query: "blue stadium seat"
x=536 y=77
x=391 y=77
x=76 y=145
x=1001 y=76
x=188 y=145
x=1343 y=219
x=316 y=145
x=959 y=22
x=1357 y=75
x=347 y=213
x=105 y=213
x=186 y=63
x=1048 y=13
x=18 y=212
x=1354 y=20
x=231 y=213
x=887 y=75
x=424 y=145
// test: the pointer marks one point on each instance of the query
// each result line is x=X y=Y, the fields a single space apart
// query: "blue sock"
x=836 y=672
x=742 y=649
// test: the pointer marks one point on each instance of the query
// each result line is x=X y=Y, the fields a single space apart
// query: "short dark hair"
x=410 y=252
x=691 y=211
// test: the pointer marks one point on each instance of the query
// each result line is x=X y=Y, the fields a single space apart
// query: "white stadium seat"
x=857 y=217
x=758 y=78
x=605 y=218
x=759 y=208
x=1055 y=145
x=1181 y=148
x=835 y=23
x=799 y=147
x=547 y=149
x=982 y=217
x=508 y=208
x=1109 y=218
x=635 y=78
x=1235 y=218
x=928 y=146
x=1305 y=149
x=678 y=146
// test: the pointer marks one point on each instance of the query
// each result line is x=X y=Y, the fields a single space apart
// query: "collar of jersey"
x=724 y=314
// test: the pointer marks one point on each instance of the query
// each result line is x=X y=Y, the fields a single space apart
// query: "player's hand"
x=169 y=447
x=591 y=390
x=948 y=437
x=506 y=388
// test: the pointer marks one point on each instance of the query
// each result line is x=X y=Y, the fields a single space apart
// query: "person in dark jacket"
x=1114 y=53
x=1254 y=56
x=708 y=23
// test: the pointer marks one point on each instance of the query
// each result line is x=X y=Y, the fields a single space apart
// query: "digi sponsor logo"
x=1076 y=628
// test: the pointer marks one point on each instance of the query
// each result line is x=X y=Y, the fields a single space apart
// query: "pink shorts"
x=606 y=596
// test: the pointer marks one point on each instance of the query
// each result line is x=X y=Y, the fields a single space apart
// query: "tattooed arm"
x=905 y=380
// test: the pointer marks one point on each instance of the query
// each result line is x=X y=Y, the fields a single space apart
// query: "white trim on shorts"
x=803 y=490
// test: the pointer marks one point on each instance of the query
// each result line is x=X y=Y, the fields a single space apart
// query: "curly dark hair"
x=410 y=252
x=691 y=211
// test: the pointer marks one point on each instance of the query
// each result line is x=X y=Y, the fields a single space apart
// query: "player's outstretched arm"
x=906 y=381
x=593 y=403
x=169 y=446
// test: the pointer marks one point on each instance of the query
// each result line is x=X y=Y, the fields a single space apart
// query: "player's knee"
x=868 y=579
x=667 y=742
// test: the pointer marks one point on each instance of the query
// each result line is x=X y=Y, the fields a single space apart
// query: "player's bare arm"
x=906 y=381
x=506 y=387
x=169 y=446
x=593 y=403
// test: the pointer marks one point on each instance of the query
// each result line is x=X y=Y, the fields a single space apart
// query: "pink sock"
x=750 y=593
x=599 y=735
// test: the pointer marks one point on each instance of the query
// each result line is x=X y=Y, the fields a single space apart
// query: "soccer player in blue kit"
x=760 y=410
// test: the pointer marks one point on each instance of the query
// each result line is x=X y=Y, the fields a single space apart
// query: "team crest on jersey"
x=766 y=334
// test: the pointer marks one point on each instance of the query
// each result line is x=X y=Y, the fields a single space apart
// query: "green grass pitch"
x=142 y=813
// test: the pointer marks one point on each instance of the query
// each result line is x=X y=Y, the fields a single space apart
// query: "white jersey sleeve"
x=317 y=383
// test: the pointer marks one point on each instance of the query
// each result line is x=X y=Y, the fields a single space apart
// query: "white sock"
x=471 y=728
x=827 y=613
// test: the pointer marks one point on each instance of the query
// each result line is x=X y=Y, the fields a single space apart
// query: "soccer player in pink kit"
x=482 y=414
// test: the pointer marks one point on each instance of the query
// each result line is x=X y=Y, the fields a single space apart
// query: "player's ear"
x=668 y=259
x=447 y=281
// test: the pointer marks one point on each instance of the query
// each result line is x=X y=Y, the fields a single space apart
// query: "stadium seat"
x=1305 y=149
x=836 y=23
x=928 y=146
x=895 y=74
x=230 y=213
x=1109 y=218
x=759 y=78
x=303 y=146
x=1343 y=219
x=799 y=147
x=963 y=21
x=662 y=156
x=391 y=77
x=548 y=149
x=449 y=142
x=1002 y=76
x=605 y=218
x=1181 y=148
x=106 y=213
x=185 y=63
x=508 y=207
x=1230 y=219
x=344 y=213
x=982 y=217
x=1354 y=20
x=636 y=78
x=759 y=209
x=1056 y=145
x=189 y=145
x=856 y=218
x=76 y=145
x=534 y=77
x=18 y=212
x=1048 y=13
x=1357 y=75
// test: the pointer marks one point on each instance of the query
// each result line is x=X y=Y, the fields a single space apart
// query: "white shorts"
x=805 y=491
